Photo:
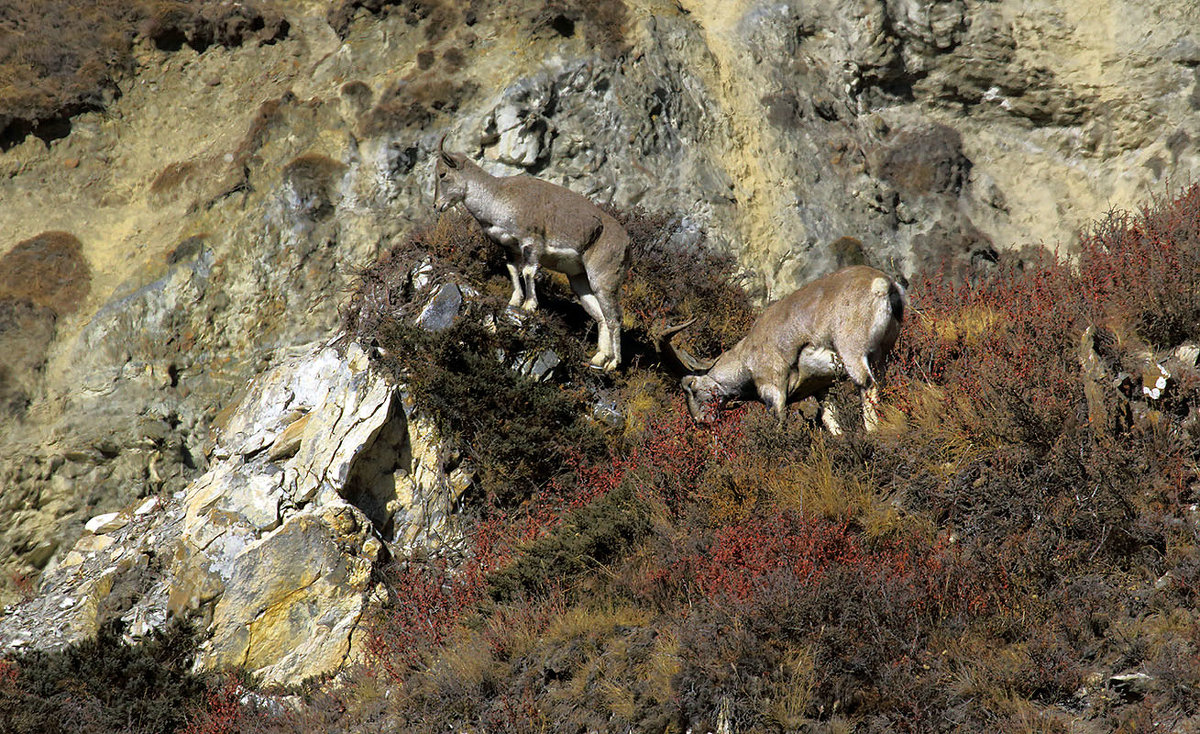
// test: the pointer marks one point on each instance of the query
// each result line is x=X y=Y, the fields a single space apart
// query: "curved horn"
x=681 y=358
x=669 y=331
x=449 y=160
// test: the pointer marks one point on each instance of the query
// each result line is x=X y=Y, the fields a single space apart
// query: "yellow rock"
x=94 y=543
x=74 y=558
x=302 y=594
x=288 y=441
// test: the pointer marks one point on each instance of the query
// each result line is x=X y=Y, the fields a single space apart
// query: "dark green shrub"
x=673 y=276
x=595 y=534
x=519 y=431
x=102 y=686
x=453 y=249
x=480 y=379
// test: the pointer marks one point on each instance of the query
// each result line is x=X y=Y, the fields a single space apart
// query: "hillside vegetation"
x=995 y=559
x=1015 y=550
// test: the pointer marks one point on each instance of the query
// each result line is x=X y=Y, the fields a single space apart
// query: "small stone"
x=371 y=548
x=67 y=603
x=93 y=544
x=356 y=358
x=421 y=276
x=288 y=442
x=542 y=367
x=607 y=411
x=1131 y=686
x=1188 y=354
x=461 y=479
x=41 y=553
x=150 y=505
x=71 y=163
x=340 y=518
x=442 y=309
x=106 y=523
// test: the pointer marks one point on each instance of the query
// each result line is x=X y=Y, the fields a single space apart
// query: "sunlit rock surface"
x=272 y=547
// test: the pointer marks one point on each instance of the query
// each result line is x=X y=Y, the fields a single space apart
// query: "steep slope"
x=222 y=198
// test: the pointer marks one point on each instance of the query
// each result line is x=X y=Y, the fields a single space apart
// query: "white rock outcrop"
x=317 y=472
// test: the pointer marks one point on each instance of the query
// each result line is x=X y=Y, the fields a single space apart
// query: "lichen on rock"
x=273 y=549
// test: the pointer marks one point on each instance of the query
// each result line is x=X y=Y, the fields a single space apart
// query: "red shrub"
x=8 y=673
x=223 y=711
x=867 y=613
x=744 y=555
x=1146 y=268
x=740 y=560
x=1009 y=344
x=429 y=601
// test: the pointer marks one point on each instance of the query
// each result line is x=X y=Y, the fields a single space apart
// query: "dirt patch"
x=415 y=102
x=26 y=331
x=313 y=179
x=601 y=22
x=59 y=58
x=48 y=270
x=172 y=24
x=440 y=14
x=925 y=160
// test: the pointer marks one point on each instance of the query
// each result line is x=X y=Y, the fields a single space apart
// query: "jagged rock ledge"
x=319 y=472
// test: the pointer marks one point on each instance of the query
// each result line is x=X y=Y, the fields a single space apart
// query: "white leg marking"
x=829 y=417
x=528 y=274
x=518 y=292
x=870 y=401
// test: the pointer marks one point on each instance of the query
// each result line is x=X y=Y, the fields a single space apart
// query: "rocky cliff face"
x=171 y=247
x=312 y=472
